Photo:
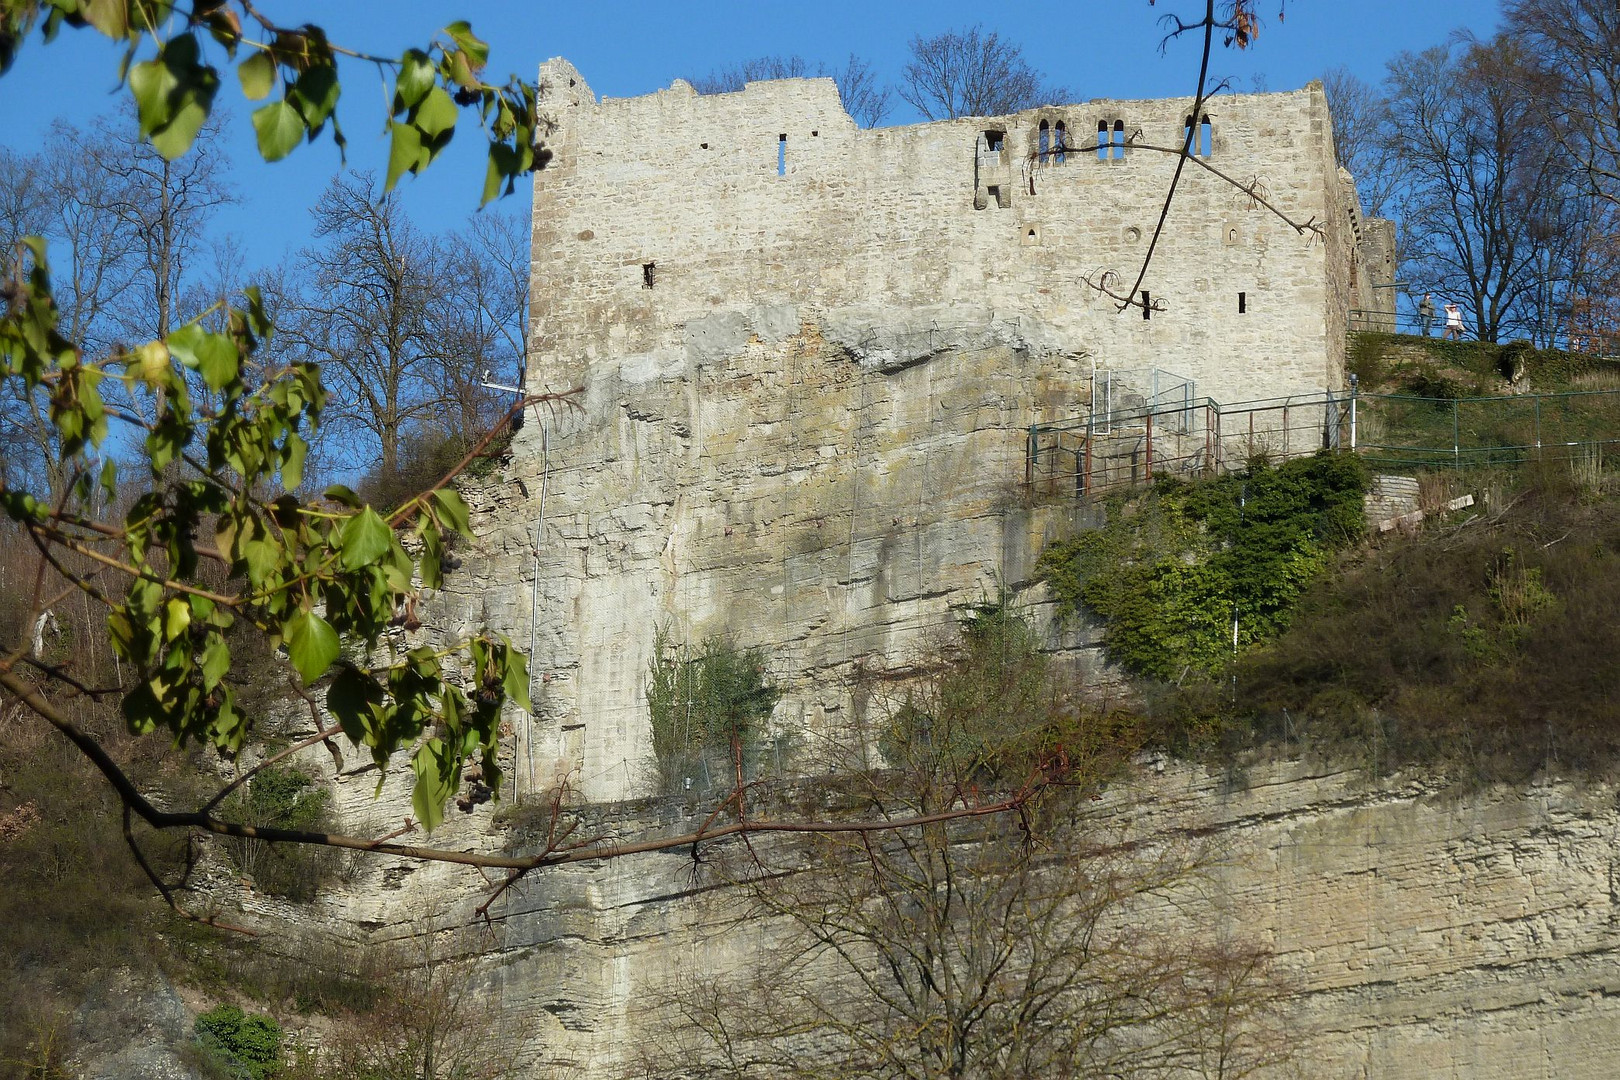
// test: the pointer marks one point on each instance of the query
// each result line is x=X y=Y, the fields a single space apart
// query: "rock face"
x=1424 y=933
x=808 y=359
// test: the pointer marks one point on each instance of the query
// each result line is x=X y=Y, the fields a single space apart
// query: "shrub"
x=705 y=708
x=994 y=710
x=248 y=1047
x=1174 y=570
x=287 y=799
x=1490 y=652
x=1428 y=384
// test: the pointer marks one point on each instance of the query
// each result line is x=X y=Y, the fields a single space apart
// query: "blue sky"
x=1099 y=48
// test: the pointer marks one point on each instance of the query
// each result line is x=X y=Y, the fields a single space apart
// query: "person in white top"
x=1454 y=325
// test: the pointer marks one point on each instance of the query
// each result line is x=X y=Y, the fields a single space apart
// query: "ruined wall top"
x=659 y=210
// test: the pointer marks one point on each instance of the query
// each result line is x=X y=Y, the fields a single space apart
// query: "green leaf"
x=292 y=463
x=431 y=563
x=214 y=356
x=344 y=496
x=109 y=479
x=354 y=699
x=257 y=74
x=365 y=538
x=404 y=153
x=316 y=94
x=438 y=773
x=258 y=319
x=502 y=167
x=111 y=17
x=176 y=617
x=311 y=643
x=142 y=710
x=453 y=510
x=461 y=33
x=216 y=661
x=436 y=114
x=229 y=727
x=416 y=78
x=152 y=83
x=279 y=128
x=515 y=678
x=173 y=95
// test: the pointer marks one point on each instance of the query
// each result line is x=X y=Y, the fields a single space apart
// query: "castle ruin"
x=810 y=353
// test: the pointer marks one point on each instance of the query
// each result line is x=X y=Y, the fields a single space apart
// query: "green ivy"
x=249 y=1047
x=1171 y=569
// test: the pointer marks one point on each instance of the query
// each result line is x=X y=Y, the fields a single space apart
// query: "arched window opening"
x=1206 y=137
x=1060 y=143
x=1044 y=145
x=1187 y=135
x=1119 y=140
x=1102 y=140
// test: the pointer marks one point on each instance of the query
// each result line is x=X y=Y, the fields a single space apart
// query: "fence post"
x=1086 y=481
x=1353 y=394
x=1209 y=448
x=1457 y=436
x=1150 y=446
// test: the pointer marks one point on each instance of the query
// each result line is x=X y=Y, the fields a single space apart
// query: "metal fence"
x=1394 y=433
x=1123 y=448
x=1397 y=433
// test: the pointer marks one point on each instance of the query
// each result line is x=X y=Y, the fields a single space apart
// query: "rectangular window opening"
x=1147 y=306
x=992 y=196
x=993 y=141
x=647 y=275
x=781 y=155
x=1243 y=302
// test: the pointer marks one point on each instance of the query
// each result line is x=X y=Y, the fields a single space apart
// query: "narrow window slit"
x=1243 y=303
x=781 y=155
x=647 y=275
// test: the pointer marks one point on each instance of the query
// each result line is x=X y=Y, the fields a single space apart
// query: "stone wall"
x=1425 y=933
x=809 y=356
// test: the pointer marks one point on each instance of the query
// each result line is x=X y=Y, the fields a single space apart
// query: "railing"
x=1543 y=335
x=1396 y=433
x=1083 y=457
x=1399 y=433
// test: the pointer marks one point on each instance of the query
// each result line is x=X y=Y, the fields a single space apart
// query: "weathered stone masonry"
x=810 y=354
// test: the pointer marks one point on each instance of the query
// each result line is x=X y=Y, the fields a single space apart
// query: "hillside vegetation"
x=1484 y=646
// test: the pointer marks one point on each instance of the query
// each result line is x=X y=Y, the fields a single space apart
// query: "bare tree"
x=966 y=949
x=1473 y=184
x=363 y=308
x=162 y=206
x=866 y=101
x=481 y=312
x=973 y=73
x=1575 y=49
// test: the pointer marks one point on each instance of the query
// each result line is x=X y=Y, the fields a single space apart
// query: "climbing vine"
x=1191 y=570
